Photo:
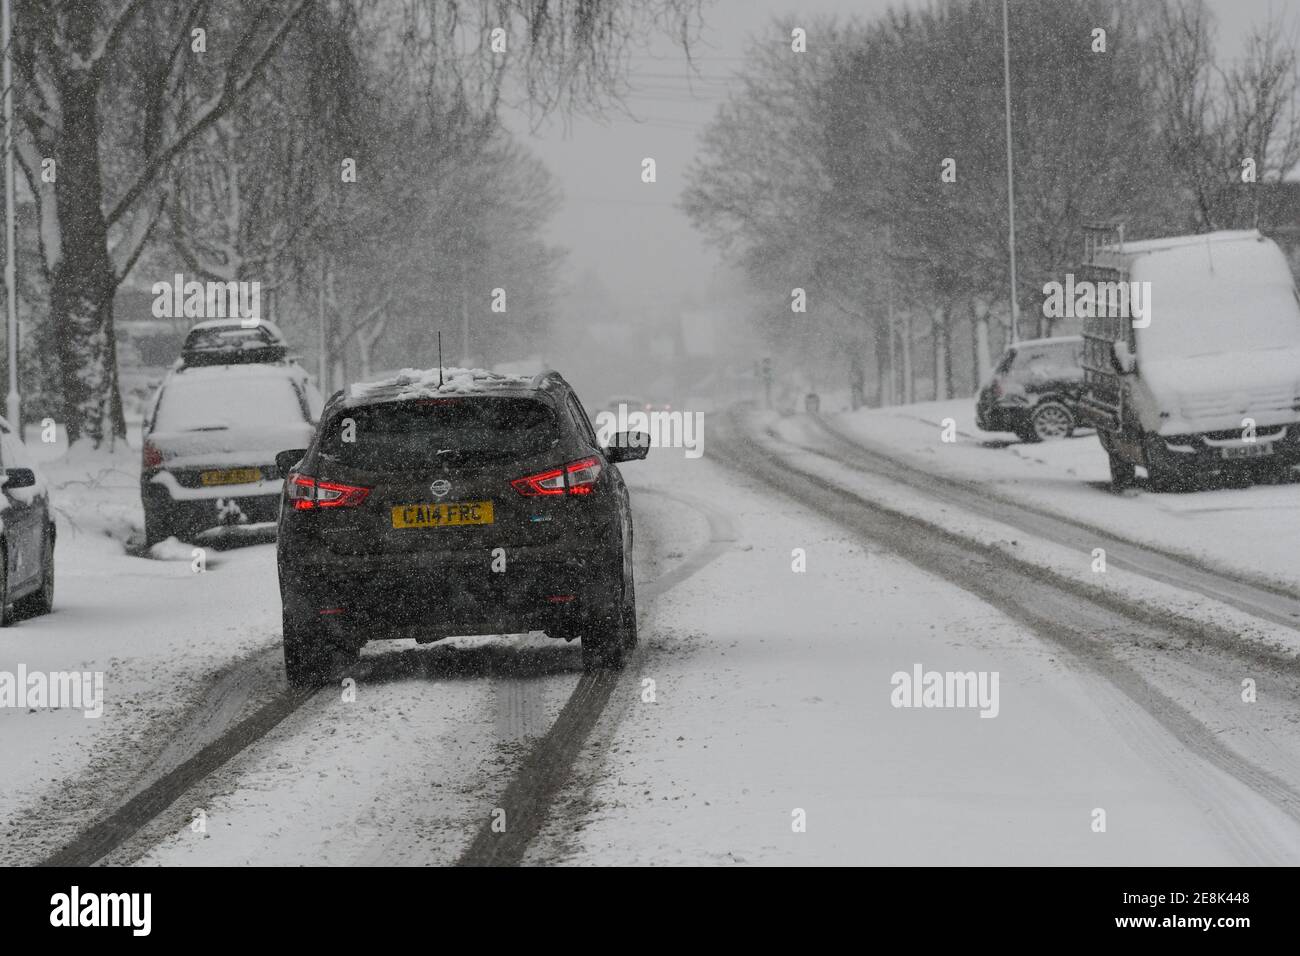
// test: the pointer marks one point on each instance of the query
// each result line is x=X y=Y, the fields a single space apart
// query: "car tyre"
x=157 y=524
x=1164 y=480
x=1123 y=473
x=40 y=601
x=1051 y=421
x=309 y=659
x=608 y=641
x=6 y=615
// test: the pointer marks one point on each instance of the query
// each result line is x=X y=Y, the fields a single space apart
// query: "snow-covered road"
x=759 y=722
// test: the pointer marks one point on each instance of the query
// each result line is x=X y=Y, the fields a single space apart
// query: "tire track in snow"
x=114 y=829
x=1071 y=618
x=557 y=748
x=529 y=796
x=1256 y=597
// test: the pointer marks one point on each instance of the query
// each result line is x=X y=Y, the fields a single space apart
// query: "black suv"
x=476 y=504
x=1034 y=390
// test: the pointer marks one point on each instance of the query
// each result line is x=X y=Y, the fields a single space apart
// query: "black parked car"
x=484 y=505
x=232 y=342
x=1034 y=390
x=27 y=530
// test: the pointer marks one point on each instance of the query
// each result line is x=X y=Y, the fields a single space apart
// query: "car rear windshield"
x=221 y=402
x=229 y=339
x=413 y=435
x=1062 y=356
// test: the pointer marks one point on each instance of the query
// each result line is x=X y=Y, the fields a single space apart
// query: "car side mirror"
x=285 y=460
x=19 y=478
x=628 y=446
x=1122 y=358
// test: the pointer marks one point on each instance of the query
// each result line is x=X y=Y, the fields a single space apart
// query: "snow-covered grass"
x=158 y=630
x=1252 y=529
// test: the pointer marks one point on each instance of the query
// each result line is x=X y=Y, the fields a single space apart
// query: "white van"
x=1209 y=379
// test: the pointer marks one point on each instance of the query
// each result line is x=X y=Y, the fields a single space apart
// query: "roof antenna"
x=440 y=358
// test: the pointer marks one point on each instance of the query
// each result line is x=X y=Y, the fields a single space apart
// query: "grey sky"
x=630 y=232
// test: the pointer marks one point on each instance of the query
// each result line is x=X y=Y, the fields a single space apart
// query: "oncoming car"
x=633 y=403
x=481 y=505
x=210 y=440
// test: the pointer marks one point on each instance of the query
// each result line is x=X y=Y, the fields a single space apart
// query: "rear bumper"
x=1001 y=417
x=191 y=512
x=354 y=599
x=164 y=482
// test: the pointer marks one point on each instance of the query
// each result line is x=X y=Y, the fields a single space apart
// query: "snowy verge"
x=1250 y=530
x=1070 y=563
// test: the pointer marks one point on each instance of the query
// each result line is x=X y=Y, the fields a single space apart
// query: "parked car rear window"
x=1064 y=357
x=412 y=435
x=219 y=402
x=229 y=339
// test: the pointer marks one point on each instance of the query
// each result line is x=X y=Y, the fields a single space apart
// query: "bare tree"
x=92 y=231
x=1219 y=127
x=87 y=68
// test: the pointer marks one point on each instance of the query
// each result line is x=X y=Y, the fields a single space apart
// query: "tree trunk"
x=82 y=282
x=941 y=361
x=857 y=376
x=884 y=363
x=905 y=347
x=947 y=351
x=981 y=360
x=363 y=357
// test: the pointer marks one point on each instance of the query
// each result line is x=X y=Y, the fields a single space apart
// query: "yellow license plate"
x=449 y=515
x=231 y=476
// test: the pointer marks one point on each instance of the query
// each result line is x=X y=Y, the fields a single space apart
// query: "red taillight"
x=152 y=456
x=995 y=389
x=544 y=483
x=307 y=494
x=583 y=475
x=581 y=479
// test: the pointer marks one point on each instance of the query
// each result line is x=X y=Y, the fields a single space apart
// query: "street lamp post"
x=1011 y=180
x=12 y=408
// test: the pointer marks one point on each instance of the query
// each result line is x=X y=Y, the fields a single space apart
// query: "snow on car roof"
x=236 y=323
x=1054 y=340
x=244 y=370
x=419 y=383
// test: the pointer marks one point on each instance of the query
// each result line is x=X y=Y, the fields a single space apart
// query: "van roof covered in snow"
x=1144 y=247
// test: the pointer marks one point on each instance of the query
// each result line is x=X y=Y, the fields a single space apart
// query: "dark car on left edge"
x=27 y=571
